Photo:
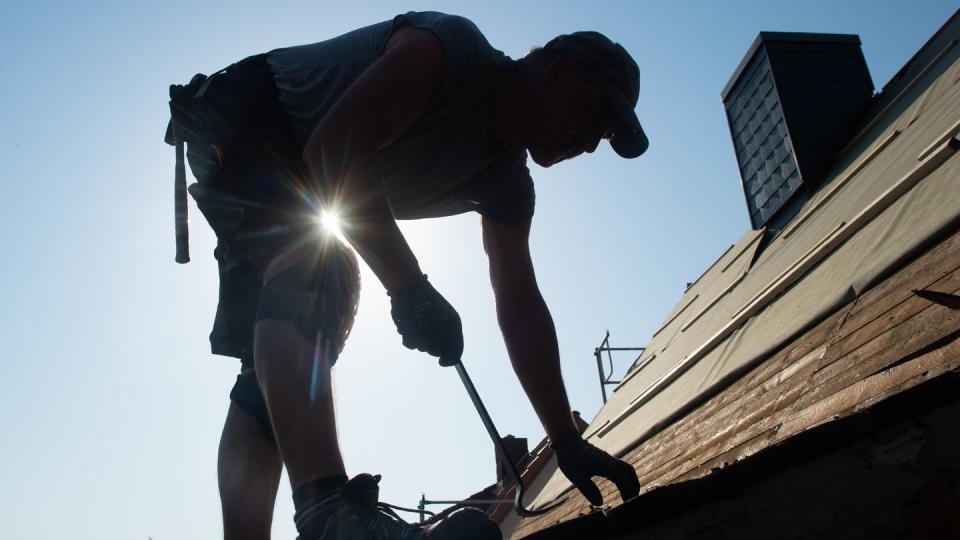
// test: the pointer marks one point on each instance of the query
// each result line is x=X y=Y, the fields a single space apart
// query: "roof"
x=896 y=345
x=888 y=195
x=681 y=497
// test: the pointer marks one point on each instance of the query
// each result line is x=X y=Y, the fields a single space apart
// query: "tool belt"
x=239 y=142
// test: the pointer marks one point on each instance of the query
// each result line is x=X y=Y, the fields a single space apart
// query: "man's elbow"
x=519 y=308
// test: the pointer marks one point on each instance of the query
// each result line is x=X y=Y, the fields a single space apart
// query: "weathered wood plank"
x=791 y=353
x=732 y=435
x=949 y=361
x=754 y=391
x=730 y=427
x=917 y=332
x=707 y=428
x=909 y=336
x=860 y=396
x=762 y=374
x=681 y=435
x=871 y=389
x=741 y=451
x=852 y=337
x=941 y=260
x=867 y=308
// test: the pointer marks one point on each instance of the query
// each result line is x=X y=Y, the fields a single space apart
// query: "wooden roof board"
x=885 y=342
x=642 y=513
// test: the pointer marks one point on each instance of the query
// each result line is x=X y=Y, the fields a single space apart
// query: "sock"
x=308 y=498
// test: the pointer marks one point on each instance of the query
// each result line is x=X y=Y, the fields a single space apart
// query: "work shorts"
x=253 y=190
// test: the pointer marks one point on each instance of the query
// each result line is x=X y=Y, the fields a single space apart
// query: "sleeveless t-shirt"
x=444 y=164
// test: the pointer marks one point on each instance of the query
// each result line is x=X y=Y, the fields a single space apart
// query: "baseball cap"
x=620 y=78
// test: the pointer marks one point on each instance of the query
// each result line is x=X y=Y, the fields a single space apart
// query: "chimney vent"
x=791 y=105
x=517 y=448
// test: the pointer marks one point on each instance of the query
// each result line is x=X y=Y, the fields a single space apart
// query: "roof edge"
x=652 y=506
x=899 y=75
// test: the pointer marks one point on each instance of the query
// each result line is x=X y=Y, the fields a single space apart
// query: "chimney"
x=578 y=421
x=517 y=449
x=791 y=105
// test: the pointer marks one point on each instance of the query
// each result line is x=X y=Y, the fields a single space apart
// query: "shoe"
x=355 y=513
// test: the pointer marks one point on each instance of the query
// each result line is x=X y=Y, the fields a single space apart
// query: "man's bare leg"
x=248 y=470
x=294 y=375
x=295 y=378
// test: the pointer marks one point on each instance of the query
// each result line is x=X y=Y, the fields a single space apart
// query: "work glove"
x=580 y=461
x=426 y=321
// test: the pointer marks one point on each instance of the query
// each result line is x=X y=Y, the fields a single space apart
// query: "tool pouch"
x=239 y=146
x=186 y=124
x=196 y=121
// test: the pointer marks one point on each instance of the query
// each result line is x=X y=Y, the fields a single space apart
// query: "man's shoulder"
x=458 y=34
x=446 y=20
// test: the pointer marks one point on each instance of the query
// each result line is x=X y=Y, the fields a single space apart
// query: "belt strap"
x=180 y=206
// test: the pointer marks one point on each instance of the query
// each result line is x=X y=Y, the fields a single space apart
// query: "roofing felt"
x=886 y=196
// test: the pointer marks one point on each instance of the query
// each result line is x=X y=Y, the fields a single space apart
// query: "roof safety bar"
x=598 y=354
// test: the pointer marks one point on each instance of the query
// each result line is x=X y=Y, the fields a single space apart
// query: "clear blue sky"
x=111 y=406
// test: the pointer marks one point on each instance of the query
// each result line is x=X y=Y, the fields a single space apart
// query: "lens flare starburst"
x=329 y=223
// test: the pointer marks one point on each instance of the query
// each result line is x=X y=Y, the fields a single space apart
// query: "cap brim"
x=628 y=139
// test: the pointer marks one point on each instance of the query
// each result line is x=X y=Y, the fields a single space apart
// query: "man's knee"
x=286 y=259
x=317 y=293
x=247 y=396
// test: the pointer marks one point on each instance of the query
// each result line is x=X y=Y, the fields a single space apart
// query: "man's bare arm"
x=526 y=325
x=532 y=343
x=375 y=111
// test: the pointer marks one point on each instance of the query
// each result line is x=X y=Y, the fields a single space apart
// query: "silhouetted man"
x=410 y=118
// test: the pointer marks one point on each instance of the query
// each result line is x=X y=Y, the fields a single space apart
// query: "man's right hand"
x=580 y=461
x=426 y=321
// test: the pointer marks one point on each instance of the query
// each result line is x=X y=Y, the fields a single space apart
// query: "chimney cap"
x=784 y=37
x=517 y=451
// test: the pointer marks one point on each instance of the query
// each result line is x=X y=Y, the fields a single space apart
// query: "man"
x=410 y=118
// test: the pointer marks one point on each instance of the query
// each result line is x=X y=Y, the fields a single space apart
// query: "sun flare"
x=330 y=223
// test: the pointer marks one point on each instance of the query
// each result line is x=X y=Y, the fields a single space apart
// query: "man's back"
x=444 y=164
